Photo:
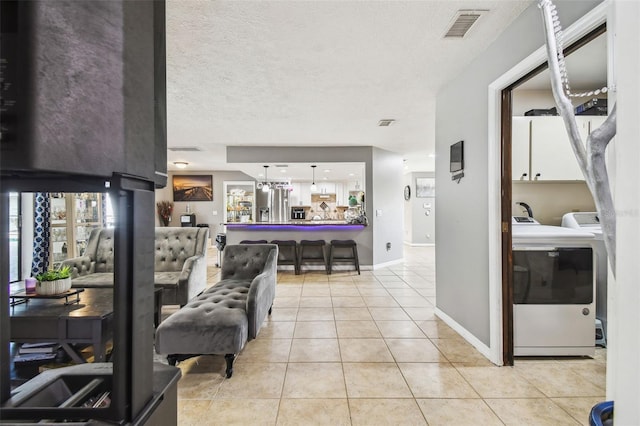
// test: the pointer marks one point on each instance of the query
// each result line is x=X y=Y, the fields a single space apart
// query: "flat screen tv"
x=456 y=157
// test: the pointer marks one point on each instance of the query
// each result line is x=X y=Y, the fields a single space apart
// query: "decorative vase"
x=53 y=287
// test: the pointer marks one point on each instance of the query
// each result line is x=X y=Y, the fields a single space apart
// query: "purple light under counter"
x=294 y=227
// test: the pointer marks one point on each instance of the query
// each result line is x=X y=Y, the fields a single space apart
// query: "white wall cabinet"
x=541 y=147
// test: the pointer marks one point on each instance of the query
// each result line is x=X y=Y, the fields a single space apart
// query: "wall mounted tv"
x=456 y=157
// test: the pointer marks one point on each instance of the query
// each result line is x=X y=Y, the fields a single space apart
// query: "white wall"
x=462 y=258
x=623 y=357
x=551 y=200
x=419 y=227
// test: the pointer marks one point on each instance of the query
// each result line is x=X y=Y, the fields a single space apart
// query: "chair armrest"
x=193 y=277
x=260 y=298
x=82 y=265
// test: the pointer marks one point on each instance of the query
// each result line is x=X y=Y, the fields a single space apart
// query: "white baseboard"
x=410 y=244
x=466 y=335
x=387 y=264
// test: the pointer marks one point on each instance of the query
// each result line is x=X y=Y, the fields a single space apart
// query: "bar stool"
x=314 y=253
x=253 y=242
x=288 y=254
x=340 y=245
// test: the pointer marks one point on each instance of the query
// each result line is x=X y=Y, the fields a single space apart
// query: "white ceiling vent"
x=386 y=122
x=184 y=149
x=462 y=22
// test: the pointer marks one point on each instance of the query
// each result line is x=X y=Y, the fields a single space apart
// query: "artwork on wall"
x=192 y=188
x=425 y=187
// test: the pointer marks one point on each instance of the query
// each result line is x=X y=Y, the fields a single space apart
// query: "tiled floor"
x=348 y=349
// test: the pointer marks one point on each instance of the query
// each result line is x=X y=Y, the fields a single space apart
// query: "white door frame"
x=580 y=28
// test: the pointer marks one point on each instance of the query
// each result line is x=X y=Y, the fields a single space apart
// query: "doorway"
x=526 y=174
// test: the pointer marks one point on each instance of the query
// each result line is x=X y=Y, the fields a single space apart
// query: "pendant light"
x=265 y=186
x=314 y=187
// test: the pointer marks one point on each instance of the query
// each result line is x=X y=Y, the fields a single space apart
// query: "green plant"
x=52 y=275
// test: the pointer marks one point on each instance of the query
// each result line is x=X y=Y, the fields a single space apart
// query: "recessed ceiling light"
x=386 y=122
x=327 y=170
x=351 y=174
x=180 y=164
x=432 y=156
x=283 y=170
x=325 y=178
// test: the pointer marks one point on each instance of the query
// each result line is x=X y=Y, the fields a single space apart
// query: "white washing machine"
x=589 y=221
x=554 y=290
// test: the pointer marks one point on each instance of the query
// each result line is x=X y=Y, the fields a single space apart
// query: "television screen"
x=456 y=157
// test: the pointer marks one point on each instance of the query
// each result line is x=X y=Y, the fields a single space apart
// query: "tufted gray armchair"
x=180 y=266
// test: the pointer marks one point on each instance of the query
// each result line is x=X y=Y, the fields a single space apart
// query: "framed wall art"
x=425 y=187
x=192 y=188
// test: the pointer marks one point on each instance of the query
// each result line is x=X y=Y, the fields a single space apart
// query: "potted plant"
x=54 y=281
x=165 y=208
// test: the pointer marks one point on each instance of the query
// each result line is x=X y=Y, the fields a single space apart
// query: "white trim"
x=582 y=26
x=387 y=264
x=407 y=243
x=473 y=340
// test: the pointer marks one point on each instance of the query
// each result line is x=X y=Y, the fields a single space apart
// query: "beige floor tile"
x=395 y=284
x=357 y=329
x=315 y=330
x=399 y=329
x=192 y=412
x=316 y=290
x=277 y=330
x=235 y=412
x=315 y=302
x=458 y=350
x=437 y=329
x=315 y=350
x=421 y=314
x=254 y=380
x=389 y=314
x=375 y=380
x=413 y=302
x=499 y=382
x=265 y=350
x=557 y=380
x=380 y=301
x=374 y=291
x=288 y=290
x=594 y=371
x=314 y=380
x=283 y=314
x=403 y=292
x=297 y=412
x=414 y=350
x=348 y=301
x=458 y=412
x=436 y=380
x=348 y=290
x=579 y=408
x=369 y=412
x=315 y=276
x=364 y=350
x=286 y=302
x=315 y=314
x=352 y=314
x=202 y=364
x=199 y=386
x=530 y=411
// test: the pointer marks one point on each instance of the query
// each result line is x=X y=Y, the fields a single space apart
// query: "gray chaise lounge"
x=221 y=320
x=180 y=266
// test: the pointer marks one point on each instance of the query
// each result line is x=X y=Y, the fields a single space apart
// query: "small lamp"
x=314 y=187
x=265 y=186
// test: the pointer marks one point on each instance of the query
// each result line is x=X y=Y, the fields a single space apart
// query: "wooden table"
x=90 y=321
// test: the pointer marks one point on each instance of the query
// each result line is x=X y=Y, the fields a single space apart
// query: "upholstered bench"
x=226 y=316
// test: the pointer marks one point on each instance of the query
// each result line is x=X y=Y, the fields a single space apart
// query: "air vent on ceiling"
x=462 y=23
x=280 y=166
x=385 y=122
x=184 y=149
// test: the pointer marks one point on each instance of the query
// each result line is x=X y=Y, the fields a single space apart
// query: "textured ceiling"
x=315 y=73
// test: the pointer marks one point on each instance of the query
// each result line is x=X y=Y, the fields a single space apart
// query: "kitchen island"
x=305 y=230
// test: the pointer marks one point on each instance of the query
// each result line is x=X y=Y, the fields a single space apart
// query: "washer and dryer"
x=589 y=221
x=553 y=289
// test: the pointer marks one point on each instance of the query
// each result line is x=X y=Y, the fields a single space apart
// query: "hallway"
x=348 y=349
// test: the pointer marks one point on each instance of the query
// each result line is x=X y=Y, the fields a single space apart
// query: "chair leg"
x=326 y=261
x=355 y=255
x=229 y=358
x=330 y=260
x=172 y=360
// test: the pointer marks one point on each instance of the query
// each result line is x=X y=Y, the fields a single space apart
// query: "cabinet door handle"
x=537 y=176
x=524 y=175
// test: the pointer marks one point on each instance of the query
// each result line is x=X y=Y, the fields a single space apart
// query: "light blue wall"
x=462 y=257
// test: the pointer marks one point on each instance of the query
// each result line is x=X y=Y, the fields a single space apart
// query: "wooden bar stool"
x=342 y=246
x=288 y=254
x=313 y=251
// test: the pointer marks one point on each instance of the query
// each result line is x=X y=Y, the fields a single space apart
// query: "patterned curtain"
x=41 y=232
x=104 y=209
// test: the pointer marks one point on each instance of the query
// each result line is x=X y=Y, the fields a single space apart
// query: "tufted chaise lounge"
x=223 y=318
x=180 y=265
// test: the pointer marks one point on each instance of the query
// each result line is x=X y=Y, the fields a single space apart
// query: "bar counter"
x=305 y=230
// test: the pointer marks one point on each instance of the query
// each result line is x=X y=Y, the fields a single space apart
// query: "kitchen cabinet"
x=541 y=150
x=73 y=217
